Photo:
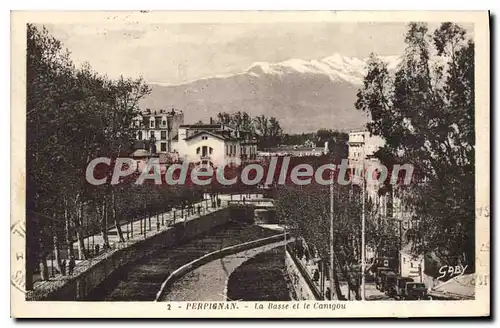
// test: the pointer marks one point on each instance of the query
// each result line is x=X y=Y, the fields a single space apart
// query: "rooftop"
x=140 y=153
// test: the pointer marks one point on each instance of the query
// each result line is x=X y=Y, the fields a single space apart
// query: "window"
x=152 y=124
x=210 y=150
x=139 y=135
x=227 y=149
x=151 y=134
x=163 y=146
x=164 y=123
x=163 y=135
x=204 y=151
x=198 y=151
x=204 y=138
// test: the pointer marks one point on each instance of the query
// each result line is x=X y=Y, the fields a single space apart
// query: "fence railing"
x=305 y=274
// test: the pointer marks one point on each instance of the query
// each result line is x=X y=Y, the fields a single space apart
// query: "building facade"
x=214 y=144
x=392 y=206
x=159 y=127
x=361 y=149
x=296 y=151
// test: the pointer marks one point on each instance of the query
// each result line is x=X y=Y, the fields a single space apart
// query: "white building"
x=214 y=144
x=362 y=147
x=411 y=265
x=296 y=151
x=392 y=207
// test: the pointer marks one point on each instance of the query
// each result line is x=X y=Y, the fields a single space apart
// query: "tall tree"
x=425 y=112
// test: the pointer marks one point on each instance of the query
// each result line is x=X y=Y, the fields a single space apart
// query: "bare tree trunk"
x=336 y=282
x=80 y=233
x=44 y=270
x=69 y=235
x=115 y=218
x=346 y=274
x=32 y=248
x=104 y=225
x=57 y=253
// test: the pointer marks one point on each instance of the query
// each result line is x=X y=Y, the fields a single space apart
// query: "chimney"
x=211 y=121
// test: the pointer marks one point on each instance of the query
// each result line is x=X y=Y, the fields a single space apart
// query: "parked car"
x=400 y=288
x=378 y=276
x=388 y=282
x=415 y=291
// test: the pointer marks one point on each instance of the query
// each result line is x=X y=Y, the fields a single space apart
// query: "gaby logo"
x=451 y=271
x=277 y=170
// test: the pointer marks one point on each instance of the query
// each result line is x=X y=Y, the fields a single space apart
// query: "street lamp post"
x=363 y=228
x=131 y=228
x=331 y=237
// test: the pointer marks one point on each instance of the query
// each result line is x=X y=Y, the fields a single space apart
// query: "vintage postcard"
x=250 y=164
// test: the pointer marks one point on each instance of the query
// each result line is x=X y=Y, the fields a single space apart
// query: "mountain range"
x=304 y=95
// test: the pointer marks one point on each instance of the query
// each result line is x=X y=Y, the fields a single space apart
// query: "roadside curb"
x=214 y=256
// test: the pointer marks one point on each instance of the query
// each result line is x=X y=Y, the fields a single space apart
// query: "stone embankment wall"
x=79 y=286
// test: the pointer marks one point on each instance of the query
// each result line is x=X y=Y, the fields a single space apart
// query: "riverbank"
x=141 y=280
x=262 y=278
x=194 y=286
x=90 y=273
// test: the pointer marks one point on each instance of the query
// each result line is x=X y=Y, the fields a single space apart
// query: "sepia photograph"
x=251 y=164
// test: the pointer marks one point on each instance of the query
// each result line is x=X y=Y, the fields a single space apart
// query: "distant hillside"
x=304 y=95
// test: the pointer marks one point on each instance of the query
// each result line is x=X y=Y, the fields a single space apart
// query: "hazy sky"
x=177 y=53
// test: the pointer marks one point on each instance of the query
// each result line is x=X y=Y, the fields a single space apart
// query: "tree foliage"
x=73 y=116
x=425 y=112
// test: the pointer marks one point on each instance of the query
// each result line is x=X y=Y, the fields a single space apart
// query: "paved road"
x=209 y=282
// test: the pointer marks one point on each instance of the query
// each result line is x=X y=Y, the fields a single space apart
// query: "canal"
x=142 y=279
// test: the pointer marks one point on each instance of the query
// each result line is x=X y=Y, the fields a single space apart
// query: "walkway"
x=164 y=219
x=209 y=282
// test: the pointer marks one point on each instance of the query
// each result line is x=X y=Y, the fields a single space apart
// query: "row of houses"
x=390 y=207
x=164 y=134
x=393 y=210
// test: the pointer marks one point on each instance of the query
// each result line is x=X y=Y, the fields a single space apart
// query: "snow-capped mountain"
x=304 y=95
x=337 y=67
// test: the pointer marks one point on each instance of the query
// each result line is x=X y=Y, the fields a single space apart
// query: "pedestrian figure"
x=243 y=200
x=71 y=265
x=316 y=275
x=63 y=267
x=218 y=202
x=328 y=293
x=97 y=249
x=158 y=225
x=199 y=209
